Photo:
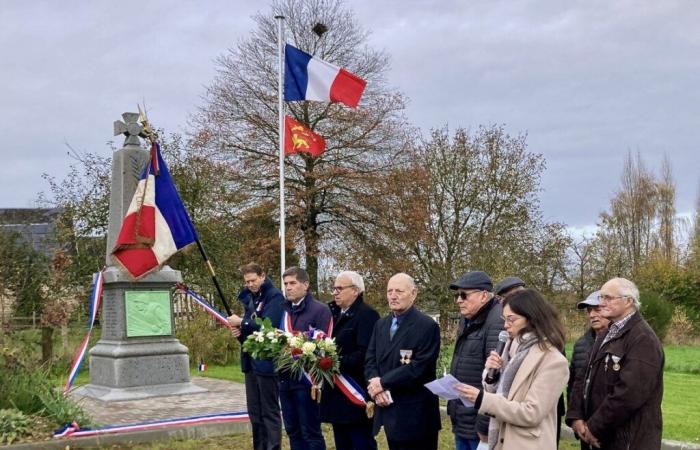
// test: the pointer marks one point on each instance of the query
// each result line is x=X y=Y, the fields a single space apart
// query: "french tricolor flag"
x=157 y=225
x=309 y=78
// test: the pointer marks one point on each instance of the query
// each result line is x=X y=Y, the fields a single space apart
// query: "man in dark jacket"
x=617 y=405
x=353 y=322
x=260 y=299
x=301 y=413
x=582 y=348
x=401 y=358
x=477 y=336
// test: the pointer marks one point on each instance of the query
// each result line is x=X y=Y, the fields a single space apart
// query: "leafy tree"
x=23 y=271
x=83 y=198
x=460 y=198
x=239 y=120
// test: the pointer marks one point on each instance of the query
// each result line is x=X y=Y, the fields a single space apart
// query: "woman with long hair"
x=522 y=402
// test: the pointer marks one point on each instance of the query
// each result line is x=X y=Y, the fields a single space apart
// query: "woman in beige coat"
x=522 y=403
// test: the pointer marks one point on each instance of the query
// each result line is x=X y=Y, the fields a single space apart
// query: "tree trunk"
x=311 y=244
x=46 y=344
x=64 y=340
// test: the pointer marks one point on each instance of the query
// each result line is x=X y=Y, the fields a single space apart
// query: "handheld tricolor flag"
x=298 y=138
x=309 y=78
x=157 y=225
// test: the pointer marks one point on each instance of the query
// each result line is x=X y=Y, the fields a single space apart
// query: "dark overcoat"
x=266 y=303
x=352 y=332
x=415 y=412
x=622 y=405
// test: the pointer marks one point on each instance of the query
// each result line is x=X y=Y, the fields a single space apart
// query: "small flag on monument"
x=310 y=78
x=298 y=138
x=157 y=225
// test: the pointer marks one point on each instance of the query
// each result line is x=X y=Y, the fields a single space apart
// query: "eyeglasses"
x=461 y=295
x=511 y=319
x=609 y=298
x=341 y=288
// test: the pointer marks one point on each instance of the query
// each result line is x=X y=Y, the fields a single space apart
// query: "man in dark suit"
x=401 y=358
x=301 y=414
x=353 y=322
x=260 y=299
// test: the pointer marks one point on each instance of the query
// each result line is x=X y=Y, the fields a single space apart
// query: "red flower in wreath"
x=325 y=363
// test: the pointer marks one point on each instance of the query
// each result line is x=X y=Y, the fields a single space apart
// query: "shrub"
x=29 y=389
x=208 y=341
x=680 y=331
x=657 y=312
x=14 y=424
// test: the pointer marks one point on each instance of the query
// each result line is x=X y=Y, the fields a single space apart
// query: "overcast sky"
x=587 y=81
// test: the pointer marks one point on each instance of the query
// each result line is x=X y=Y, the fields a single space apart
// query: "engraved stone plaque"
x=148 y=313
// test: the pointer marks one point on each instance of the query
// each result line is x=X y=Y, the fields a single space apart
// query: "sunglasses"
x=462 y=295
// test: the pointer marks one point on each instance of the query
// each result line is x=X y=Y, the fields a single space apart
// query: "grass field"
x=245 y=442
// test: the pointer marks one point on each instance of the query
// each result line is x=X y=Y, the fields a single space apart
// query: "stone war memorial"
x=137 y=355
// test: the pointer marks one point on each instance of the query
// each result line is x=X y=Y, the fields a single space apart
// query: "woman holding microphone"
x=532 y=373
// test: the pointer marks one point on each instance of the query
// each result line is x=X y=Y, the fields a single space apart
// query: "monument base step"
x=111 y=394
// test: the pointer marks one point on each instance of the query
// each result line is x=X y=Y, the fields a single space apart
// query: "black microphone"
x=493 y=374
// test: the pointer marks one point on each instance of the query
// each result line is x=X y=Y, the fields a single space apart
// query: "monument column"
x=137 y=355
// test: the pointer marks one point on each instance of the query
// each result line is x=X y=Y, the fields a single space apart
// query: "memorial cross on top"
x=131 y=128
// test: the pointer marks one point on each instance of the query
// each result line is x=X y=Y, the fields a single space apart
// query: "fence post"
x=33 y=319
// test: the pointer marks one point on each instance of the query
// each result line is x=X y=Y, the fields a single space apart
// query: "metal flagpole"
x=280 y=97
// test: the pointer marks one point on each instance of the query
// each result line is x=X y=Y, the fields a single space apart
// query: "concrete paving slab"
x=220 y=396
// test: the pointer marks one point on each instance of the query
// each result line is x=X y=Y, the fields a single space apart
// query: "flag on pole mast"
x=309 y=78
x=298 y=139
x=157 y=225
x=305 y=77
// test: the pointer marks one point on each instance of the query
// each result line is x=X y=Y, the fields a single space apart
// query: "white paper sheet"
x=444 y=388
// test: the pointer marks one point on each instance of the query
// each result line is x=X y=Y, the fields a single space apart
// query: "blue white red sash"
x=205 y=305
x=286 y=326
x=352 y=391
x=73 y=430
x=95 y=300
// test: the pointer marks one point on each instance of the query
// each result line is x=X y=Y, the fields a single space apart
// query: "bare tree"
x=629 y=225
x=239 y=119
x=666 y=192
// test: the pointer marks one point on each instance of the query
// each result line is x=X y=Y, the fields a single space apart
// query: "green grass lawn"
x=230 y=372
x=681 y=413
x=245 y=442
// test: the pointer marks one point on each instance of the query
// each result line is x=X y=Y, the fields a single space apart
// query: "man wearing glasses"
x=617 y=405
x=477 y=336
x=353 y=322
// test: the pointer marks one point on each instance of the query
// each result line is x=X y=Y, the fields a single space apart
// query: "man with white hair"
x=401 y=359
x=353 y=322
x=617 y=405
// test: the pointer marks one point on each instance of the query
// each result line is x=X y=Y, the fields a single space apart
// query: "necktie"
x=393 y=328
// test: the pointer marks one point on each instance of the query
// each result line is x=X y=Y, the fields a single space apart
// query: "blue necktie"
x=393 y=328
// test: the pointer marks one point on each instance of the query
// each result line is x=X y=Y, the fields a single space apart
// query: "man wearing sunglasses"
x=477 y=336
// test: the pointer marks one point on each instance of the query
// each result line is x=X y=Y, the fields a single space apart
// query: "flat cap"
x=473 y=280
x=591 y=300
x=507 y=284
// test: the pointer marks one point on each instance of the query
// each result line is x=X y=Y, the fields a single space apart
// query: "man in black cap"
x=509 y=286
x=477 y=336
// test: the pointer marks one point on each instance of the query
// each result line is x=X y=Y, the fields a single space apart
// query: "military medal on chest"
x=406 y=356
x=616 y=363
